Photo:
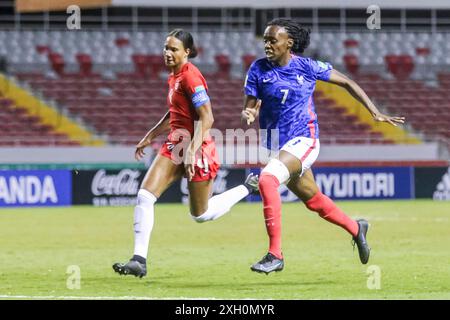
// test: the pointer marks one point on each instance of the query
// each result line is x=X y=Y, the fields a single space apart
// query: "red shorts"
x=206 y=162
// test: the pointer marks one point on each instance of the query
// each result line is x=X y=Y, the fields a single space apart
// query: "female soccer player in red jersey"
x=189 y=150
x=279 y=89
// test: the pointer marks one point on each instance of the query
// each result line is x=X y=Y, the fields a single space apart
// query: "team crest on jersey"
x=300 y=79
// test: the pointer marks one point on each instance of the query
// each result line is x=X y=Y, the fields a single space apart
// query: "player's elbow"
x=351 y=83
x=347 y=83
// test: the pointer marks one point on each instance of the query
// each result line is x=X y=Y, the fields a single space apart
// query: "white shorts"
x=304 y=149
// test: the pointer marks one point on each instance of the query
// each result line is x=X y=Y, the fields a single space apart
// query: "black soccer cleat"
x=268 y=264
x=132 y=267
x=361 y=242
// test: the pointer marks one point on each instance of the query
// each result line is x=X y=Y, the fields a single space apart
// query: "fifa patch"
x=199 y=88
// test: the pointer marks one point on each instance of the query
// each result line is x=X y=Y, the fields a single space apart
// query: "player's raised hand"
x=248 y=115
x=392 y=120
x=139 y=153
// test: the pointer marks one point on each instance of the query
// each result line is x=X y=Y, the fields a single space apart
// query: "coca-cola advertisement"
x=120 y=187
x=106 y=187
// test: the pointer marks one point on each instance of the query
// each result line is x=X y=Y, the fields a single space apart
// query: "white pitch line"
x=119 y=298
x=100 y=298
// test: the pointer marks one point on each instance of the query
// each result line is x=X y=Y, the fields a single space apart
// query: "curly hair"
x=295 y=31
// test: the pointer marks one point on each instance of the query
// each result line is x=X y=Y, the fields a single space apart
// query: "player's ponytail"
x=187 y=39
x=296 y=32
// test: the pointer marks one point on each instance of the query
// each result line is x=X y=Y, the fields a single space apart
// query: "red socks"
x=328 y=210
x=268 y=187
x=320 y=203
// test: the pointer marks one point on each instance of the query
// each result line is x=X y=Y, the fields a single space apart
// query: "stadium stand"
x=115 y=81
x=127 y=107
x=19 y=128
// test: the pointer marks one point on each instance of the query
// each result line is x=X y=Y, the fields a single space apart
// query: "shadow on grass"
x=237 y=286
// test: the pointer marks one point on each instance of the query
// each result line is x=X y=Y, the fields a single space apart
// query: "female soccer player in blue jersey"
x=284 y=82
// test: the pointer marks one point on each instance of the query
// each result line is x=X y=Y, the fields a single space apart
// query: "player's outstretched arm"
x=251 y=109
x=161 y=127
x=358 y=93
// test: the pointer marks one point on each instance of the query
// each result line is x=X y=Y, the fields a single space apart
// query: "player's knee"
x=145 y=198
x=267 y=182
x=277 y=169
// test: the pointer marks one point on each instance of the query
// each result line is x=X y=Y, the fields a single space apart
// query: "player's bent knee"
x=277 y=169
x=267 y=182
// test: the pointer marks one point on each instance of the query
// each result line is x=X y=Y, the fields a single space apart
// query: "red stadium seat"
x=122 y=42
x=85 y=62
x=42 y=49
x=351 y=63
x=423 y=51
x=223 y=66
x=57 y=62
x=140 y=63
x=156 y=63
x=248 y=60
x=350 y=43
x=400 y=66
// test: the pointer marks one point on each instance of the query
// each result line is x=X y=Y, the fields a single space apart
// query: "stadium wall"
x=230 y=153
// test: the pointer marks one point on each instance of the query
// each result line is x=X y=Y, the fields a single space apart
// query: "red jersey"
x=187 y=90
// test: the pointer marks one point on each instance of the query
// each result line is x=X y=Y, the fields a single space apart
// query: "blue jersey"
x=287 y=97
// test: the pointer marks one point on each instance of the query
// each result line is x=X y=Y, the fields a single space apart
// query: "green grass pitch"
x=410 y=243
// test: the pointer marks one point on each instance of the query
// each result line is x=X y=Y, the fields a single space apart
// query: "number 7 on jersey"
x=285 y=91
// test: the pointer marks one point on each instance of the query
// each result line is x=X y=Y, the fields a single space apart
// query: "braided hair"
x=295 y=31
